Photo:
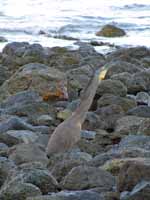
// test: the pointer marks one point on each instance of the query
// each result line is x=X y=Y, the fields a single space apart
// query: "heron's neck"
x=86 y=100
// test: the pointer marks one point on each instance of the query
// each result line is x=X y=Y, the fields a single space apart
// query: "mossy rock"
x=111 y=31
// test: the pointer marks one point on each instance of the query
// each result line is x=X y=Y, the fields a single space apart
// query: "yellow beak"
x=102 y=74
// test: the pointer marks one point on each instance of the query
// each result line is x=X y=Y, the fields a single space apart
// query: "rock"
x=140 y=191
x=96 y=146
x=44 y=120
x=111 y=31
x=140 y=111
x=128 y=125
x=113 y=166
x=117 y=67
x=114 y=87
x=4 y=74
x=61 y=165
x=29 y=77
x=135 y=141
x=3 y=39
x=3 y=149
x=78 y=79
x=13 y=137
x=131 y=173
x=90 y=135
x=73 y=195
x=110 y=114
x=142 y=98
x=19 y=191
x=110 y=99
x=24 y=153
x=6 y=168
x=126 y=54
x=144 y=128
x=41 y=178
x=84 y=177
x=16 y=123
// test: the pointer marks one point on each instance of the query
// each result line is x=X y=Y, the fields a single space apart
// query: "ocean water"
x=24 y=20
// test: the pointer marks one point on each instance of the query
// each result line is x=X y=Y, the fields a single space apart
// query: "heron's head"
x=101 y=73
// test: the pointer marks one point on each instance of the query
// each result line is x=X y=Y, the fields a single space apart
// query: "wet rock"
x=51 y=81
x=140 y=111
x=24 y=153
x=110 y=99
x=44 y=120
x=73 y=195
x=140 y=191
x=117 y=67
x=128 y=125
x=3 y=39
x=114 y=87
x=19 y=191
x=111 y=31
x=13 y=137
x=132 y=173
x=84 y=177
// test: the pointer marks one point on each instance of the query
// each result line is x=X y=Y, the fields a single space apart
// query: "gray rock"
x=6 y=169
x=128 y=124
x=4 y=74
x=48 y=82
x=140 y=111
x=13 y=137
x=144 y=128
x=140 y=191
x=73 y=195
x=132 y=172
x=117 y=67
x=142 y=98
x=124 y=102
x=114 y=87
x=88 y=134
x=3 y=39
x=84 y=177
x=19 y=191
x=25 y=153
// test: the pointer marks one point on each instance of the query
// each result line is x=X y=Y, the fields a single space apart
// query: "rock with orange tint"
x=48 y=82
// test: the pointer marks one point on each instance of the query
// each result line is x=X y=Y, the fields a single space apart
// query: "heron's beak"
x=102 y=74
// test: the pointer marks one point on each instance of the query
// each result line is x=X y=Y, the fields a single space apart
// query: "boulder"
x=84 y=177
x=140 y=111
x=140 y=191
x=143 y=98
x=117 y=67
x=128 y=125
x=49 y=83
x=3 y=39
x=19 y=191
x=4 y=74
x=25 y=153
x=111 y=31
x=114 y=87
x=110 y=99
x=132 y=172
x=144 y=128
x=13 y=137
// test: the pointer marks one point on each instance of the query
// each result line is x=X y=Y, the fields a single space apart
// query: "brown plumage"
x=68 y=132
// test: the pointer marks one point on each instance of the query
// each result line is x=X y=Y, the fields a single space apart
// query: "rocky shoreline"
x=111 y=161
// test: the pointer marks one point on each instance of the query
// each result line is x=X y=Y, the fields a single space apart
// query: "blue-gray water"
x=23 y=20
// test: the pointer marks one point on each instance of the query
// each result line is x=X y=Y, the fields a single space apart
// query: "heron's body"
x=67 y=134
